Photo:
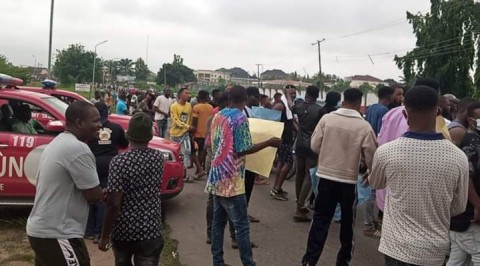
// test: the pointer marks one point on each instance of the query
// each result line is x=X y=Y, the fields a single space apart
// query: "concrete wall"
x=371 y=97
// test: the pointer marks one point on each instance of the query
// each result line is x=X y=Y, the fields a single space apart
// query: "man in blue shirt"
x=374 y=117
x=376 y=111
x=122 y=108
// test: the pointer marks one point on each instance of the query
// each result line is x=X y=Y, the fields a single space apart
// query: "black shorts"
x=200 y=142
x=285 y=154
x=50 y=251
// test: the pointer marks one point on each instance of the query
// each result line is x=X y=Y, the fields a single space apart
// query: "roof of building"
x=366 y=78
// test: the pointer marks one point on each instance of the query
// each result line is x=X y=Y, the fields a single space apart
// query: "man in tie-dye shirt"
x=231 y=141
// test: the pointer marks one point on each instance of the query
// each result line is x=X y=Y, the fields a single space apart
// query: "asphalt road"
x=281 y=241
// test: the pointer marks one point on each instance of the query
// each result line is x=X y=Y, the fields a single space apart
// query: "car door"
x=19 y=159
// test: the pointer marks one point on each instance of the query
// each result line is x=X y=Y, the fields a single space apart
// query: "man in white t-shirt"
x=67 y=182
x=162 y=111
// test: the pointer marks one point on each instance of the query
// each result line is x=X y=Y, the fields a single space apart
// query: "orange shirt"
x=201 y=111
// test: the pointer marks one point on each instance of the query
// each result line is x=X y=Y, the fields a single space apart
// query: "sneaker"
x=278 y=194
x=96 y=239
x=373 y=233
x=188 y=179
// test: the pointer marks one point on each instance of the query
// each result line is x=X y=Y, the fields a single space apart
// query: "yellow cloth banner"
x=262 y=130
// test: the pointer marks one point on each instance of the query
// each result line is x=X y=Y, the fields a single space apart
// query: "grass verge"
x=14 y=247
x=169 y=256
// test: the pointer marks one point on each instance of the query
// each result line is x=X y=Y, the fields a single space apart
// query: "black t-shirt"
x=105 y=147
x=471 y=146
x=308 y=116
x=287 y=135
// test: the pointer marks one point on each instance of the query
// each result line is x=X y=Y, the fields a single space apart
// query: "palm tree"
x=366 y=88
x=126 y=66
x=112 y=69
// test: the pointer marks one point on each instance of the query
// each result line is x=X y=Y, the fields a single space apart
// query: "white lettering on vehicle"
x=11 y=163
x=2 y=187
x=23 y=141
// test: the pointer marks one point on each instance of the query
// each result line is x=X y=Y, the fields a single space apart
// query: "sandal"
x=200 y=175
x=253 y=219
x=188 y=179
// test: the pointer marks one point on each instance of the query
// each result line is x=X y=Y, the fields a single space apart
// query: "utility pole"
x=50 y=41
x=320 y=66
x=258 y=74
x=164 y=76
x=146 y=57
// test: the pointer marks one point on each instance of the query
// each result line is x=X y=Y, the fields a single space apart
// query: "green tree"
x=141 y=70
x=366 y=89
x=112 y=69
x=175 y=73
x=447 y=46
x=340 y=85
x=75 y=65
x=18 y=72
x=125 y=67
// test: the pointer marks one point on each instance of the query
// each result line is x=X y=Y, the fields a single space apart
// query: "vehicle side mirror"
x=55 y=126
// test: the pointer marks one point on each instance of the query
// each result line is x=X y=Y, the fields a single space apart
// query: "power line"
x=389 y=24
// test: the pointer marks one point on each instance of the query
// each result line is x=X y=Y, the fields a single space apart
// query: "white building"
x=210 y=76
x=358 y=80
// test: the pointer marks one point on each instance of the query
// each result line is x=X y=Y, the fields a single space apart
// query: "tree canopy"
x=175 y=73
x=447 y=46
x=75 y=65
x=9 y=69
x=141 y=70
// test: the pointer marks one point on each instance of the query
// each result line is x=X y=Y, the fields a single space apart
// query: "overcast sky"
x=211 y=34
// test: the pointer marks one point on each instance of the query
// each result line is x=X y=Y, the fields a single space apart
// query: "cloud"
x=217 y=33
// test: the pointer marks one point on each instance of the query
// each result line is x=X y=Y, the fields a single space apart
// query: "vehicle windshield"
x=60 y=106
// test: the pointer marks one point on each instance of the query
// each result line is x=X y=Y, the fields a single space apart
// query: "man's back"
x=426 y=178
x=341 y=139
x=138 y=175
x=202 y=111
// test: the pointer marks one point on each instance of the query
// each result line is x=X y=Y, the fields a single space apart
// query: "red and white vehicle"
x=20 y=153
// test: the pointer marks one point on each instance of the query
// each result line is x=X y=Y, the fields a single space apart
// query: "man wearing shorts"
x=67 y=182
x=285 y=156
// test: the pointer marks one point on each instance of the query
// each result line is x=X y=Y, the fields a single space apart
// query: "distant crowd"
x=415 y=156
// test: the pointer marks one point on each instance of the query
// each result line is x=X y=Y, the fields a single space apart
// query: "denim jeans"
x=144 y=252
x=234 y=208
x=162 y=127
x=210 y=218
x=465 y=247
x=95 y=219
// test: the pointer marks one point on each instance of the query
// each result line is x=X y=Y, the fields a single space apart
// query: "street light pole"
x=50 y=40
x=94 y=59
x=34 y=65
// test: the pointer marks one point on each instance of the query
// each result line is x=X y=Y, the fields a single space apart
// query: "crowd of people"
x=416 y=151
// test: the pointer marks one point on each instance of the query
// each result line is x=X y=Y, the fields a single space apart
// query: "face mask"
x=477 y=123
x=339 y=104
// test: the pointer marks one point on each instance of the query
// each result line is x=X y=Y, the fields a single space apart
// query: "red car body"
x=20 y=153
